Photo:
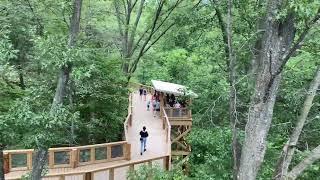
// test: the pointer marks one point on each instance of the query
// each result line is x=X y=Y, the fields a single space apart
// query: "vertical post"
x=29 y=160
x=111 y=174
x=161 y=103
x=131 y=167
x=51 y=159
x=6 y=163
x=166 y=163
x=167 y=135
x=108 y=152
x=164 y=122
x=88 y=176
x=171 y=112
x=128 y=151
x=92 y=155
x=62 y=177
x=74 y=158
x=150 y=175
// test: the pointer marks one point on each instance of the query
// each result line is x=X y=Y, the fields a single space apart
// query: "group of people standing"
x=153 y=103
x=173 y=102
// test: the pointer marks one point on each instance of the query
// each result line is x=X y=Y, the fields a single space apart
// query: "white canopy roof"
x=172 y=88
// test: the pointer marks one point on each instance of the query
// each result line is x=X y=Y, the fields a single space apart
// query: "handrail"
x=120 y=165
x=128 y=121
x=131 y=164
x=178 y=113
x=166 y=126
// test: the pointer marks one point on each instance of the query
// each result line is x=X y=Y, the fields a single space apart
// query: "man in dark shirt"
x=141 y=92
x=143 y=139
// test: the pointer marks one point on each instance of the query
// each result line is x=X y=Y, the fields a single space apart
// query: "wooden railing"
x=166 y=126
x=179 y=113
x=72 y=157
x=109 y=172
x=128 y=122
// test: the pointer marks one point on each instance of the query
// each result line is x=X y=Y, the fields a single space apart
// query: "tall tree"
x=227 y=36
x=276 y=49
x=40 y=156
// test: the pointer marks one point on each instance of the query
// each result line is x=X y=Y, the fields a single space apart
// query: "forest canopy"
x=66 y=68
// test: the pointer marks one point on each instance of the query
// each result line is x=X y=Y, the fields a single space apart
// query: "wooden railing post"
x=6 y=163
x=130 y=120
x=92 y=154
x=74 y=158
x=166 y=163
x=127 y=151
x=88 y=176
x=109 y=152
x=111 y=174
x=150 y=175
x=171 y=112
x=164 y=122
x=29 y=160
x=51 y=159
x=167 y=134
x=131 y=167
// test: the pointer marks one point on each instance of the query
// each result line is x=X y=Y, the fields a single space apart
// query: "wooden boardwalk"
x=158 y=150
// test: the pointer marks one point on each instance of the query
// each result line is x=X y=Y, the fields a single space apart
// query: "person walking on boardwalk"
x=141 y=92
x=157 y=108
x=145 y=94
x=143 y=139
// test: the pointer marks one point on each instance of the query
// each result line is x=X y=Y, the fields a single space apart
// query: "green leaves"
x=155 y=172
x=211 y=153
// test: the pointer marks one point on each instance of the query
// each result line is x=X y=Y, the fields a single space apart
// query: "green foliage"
x=146 y=172
x=211 y=153
x=34 y=46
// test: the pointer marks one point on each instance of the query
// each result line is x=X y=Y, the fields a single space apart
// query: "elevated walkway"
x=104 y=161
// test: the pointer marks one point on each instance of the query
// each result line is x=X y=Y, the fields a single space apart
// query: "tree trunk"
x=40 y=158
x=72 y=141
x=231 y=63
x=1 y=163
x=289 y=147
x=21 y=80
x=233 y=93
x=62 y=83
x=297 y=170
x=276 y=40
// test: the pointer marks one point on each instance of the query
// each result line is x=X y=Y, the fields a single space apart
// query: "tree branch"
x=296 y=46
x=158 y=27
x=299 y=42
x=157 y=15
x=289 y=147
x=153 y=42
x=303 y=165
x=134 y=28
